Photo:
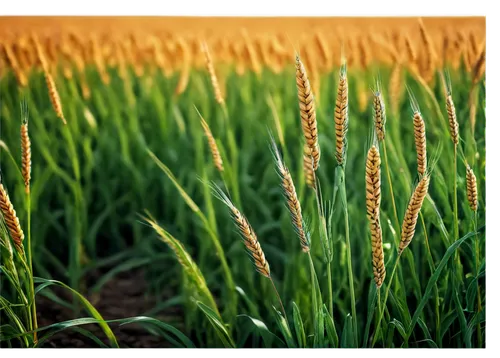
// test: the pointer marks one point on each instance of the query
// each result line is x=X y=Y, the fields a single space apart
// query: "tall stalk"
x=436 y=291
x=30 y=273
x=476 y=259
x=384 y=304
x=343 y=197
x=326 y=245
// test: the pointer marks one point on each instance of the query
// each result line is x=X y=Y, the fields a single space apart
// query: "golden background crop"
x=422 y=45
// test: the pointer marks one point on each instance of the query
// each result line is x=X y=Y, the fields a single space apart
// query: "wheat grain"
x=11 y=219
x=216 y=157
x=471 y=188
x=54 y=96
x=308 y=168
x=307 y=111
x=379 y=114
x=373 y=198
x=341 y=116
x=25 y=150
x=292 y=201
x=213 y=77
x=412 y=212
x=452 y=118
x=420 y=142
x=247 y=234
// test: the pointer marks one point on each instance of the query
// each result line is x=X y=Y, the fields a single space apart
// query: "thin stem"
x=349 y=259
x=384 y=305
x=326 y=245
x=455 y=209
x=380 y=313
x=396 y=219
x=432 y=268
x=279 y=299
x=479 y=308
x=30 y=273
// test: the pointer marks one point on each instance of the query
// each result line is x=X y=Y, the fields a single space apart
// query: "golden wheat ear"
x=292 y=200
x=307 y=110
x=341 y=116
x=209 y=63
x=419 y=135
x=471 y=188
x=25 y=147
x=450 y=110
x=214 y=149
x=246 y=232
x=11 y=219
x=379 y=116
x=412 y=212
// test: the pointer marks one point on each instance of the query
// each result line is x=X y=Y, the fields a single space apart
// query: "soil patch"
x=121 y=297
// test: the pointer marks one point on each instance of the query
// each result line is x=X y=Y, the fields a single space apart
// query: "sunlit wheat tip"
x=452 y=118
x=247 y=233
x=216 y=157
x=341 y=116
x=307 y=110
x=292 y=201
x=471 y=188
x=211 y=71
x=412 y=212
x=420 y=142
x=54 y=96
x=25 y=149
x=379 y=115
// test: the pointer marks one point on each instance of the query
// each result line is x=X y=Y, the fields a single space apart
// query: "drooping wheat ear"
x=452 y=117
x=247 y=234
x=471 y=188
x=11 y=219
x=479 y=67
x=373 y=197
x=307 y=111
x=211 y=71
x=410 y=50
x=25 y=148
x=412 y=211
x=54 y=96
x=308 y=168
x=292 y=201
x=420 y=142
x=379 y=114
x=341 y=116
x=216 y=157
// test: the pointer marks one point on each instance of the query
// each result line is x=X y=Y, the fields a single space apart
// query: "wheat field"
x=266 y=182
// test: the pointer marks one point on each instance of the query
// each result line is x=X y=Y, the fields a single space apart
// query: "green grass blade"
x=331 y=331
x=284 y=328
x=219 y=327
x=267 y=336
x=186 y=342
x=372 y=302
x=428 y=290
x=299 y=326
x=88 y=306
x=347 y=340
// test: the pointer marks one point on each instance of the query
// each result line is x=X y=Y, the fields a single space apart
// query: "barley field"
x=242 y=182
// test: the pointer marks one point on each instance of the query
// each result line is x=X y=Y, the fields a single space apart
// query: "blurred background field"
x=130 y=87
